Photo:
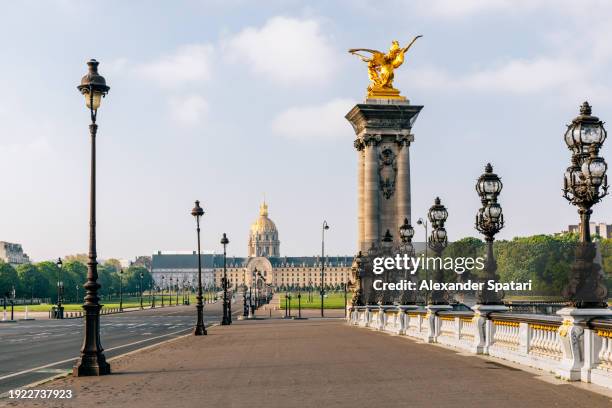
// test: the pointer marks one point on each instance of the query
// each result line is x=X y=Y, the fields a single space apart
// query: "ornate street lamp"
x=170 y=287
x=121 y=290
x=406 y=232
x=199 y=330
x=60 y=288
x=227 y=317
x=324 y=228
x=489 y=221
x=437 y=241
x=141 y=276
x=585 y=183
x=92 y=360
x=162 y=289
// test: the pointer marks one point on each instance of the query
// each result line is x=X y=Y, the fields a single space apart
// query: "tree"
x=8 y=279
x=33 y=283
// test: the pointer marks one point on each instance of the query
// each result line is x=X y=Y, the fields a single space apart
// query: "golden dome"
x=263 y=223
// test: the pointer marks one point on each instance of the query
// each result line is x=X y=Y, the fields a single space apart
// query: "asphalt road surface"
x=31 y=351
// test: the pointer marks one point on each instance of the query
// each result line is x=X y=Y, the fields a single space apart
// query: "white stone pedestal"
x=574 y=365
x=433 y=324
x=484 y=327
x=403 y=309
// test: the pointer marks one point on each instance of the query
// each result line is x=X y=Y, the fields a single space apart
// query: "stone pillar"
x=403 y=180
x=371 y=184
x=360 y=146
x=383 y=129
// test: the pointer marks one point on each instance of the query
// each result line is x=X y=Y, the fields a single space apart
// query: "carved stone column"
x=371 y=185
x=403 y=179
x=360 y=146
x=383 y=129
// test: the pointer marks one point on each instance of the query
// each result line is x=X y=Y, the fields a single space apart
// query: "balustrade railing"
x=541 y=341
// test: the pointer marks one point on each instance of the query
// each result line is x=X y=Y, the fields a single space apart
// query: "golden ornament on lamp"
x=381 y=67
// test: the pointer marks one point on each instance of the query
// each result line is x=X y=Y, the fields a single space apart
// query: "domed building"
x=263 y=239
x=263 y=258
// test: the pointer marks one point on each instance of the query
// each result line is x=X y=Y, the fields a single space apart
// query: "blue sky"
x=225 y=101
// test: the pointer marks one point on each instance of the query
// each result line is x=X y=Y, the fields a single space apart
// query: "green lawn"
x=128 y=302
x=333 y=300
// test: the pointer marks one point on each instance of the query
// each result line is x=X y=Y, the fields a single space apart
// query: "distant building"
x=264 y=256
x=13 y=253
x=143 y=261
x=601 y=229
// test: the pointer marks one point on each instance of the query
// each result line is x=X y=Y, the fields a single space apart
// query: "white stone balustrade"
x=531 y=340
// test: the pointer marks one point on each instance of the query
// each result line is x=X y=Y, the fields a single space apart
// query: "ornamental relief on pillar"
x=359 y=145
x=372 y=140
x=387 y=170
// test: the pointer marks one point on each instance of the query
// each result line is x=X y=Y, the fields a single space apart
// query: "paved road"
x=312 y=363
x=34 y=350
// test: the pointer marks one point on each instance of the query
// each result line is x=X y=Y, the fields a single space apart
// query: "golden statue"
x=380 y=69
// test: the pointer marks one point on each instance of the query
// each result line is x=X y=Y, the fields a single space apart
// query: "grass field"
x=333 y=300
x=128 y=302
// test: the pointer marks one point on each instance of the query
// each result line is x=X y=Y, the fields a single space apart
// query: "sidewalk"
x=311 y=363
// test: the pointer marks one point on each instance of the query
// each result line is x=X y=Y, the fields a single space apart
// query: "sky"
x=228 y=101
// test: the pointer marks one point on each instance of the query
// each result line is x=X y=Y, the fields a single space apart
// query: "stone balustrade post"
x=524 y=338
x=592 y=344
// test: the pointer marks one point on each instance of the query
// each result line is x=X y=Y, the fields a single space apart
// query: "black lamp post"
x=60 y=289
x=437 y=241
x=199 y=330
x=151 y=295
x=162 y=290
x=584 y=185
x=489 y=221
x=92 y=360
x=324 y=228
x=406 y=233
x=227 y=319
x=121 y=290
x=141 y=290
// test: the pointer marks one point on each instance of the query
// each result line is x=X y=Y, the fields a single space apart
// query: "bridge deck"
x=315 y=363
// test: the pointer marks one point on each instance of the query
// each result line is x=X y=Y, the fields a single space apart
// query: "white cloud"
x=284 y=49
x=454 y=9
x=188 y=110
x=189 y=64
x=315 y=122
x=517 y=76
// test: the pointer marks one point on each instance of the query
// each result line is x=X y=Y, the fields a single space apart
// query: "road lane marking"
x=75 y=358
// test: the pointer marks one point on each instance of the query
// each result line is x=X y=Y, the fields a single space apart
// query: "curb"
x=69 y=373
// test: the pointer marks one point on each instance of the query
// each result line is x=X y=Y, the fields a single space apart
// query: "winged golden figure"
x=381 y=67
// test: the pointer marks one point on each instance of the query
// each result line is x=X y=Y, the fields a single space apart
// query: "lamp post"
x=489 y=221
x=425 y=226
x=199 y=329
x=162 y=290
x=77 y=293
x=406 y=233
x=437 y=241
x=121 y=290
x=251 y=315
x=92 y=360
x=324 y=228
x=151 y=295
x=141 y=290
x=227 y=319
x=584 y=185
x=170 y=287
x=60 y=289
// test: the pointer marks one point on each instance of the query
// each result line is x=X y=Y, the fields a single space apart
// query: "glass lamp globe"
x=492 y=212
x=594 y=170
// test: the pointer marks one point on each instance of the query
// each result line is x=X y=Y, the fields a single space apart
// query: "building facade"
x=601 y=229
x=264 y=258
x=13 y=253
